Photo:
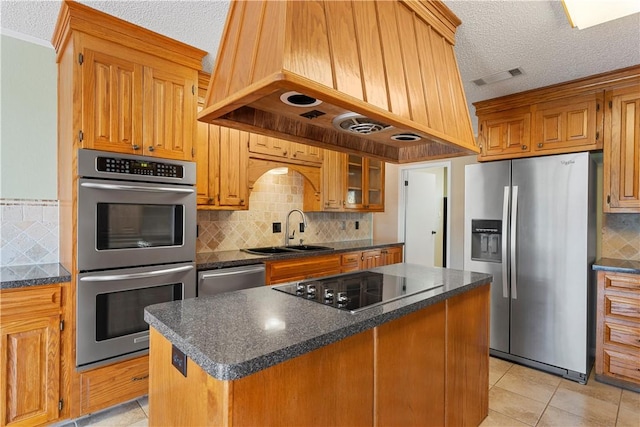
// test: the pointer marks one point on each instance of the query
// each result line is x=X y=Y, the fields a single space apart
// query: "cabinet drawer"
x=627 y=336
x=622 y=307
x=622 y=365
x=113 y=384
x=622 y=282
x=302 y=268
x=30 y=301
x=348 y=259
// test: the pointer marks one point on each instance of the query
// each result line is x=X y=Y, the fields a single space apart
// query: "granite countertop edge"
x=237 y=258
x=233 y=371
x=617 y=265
x=30 y=275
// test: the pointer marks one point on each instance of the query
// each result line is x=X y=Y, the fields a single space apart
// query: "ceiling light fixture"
x=583 y=14
x=497 y=77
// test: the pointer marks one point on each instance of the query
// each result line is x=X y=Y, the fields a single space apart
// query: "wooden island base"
x=430 y=367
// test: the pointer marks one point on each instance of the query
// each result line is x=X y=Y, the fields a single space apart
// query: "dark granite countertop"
x=617 y=265
x=223 y=259
x=21 y=276
x=236 y=334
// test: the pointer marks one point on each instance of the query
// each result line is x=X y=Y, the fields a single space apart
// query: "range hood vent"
x=375 y=78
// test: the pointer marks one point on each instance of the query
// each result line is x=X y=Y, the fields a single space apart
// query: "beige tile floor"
x=518 y=396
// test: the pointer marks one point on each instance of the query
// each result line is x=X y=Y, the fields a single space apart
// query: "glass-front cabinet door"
x=355 y=182
x=364 y=184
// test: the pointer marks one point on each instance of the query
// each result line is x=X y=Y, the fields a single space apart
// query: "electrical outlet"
x=179 y=360
x=277 y=227
x=302 y=227
x=357 y=225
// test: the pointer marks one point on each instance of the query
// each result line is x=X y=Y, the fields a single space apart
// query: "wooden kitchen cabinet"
x=222 y=162
x=30 y=330
x=134 y=91
x=290 y=270
x=622 y=150
x=364 y=186
x=505 y=133
x=618 y=329
x=360 y=260
x=568 y=123
x=109 y=385
x=333 y=179
x=276 y=149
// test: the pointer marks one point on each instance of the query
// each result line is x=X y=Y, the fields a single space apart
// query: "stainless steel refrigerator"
x=531 y=223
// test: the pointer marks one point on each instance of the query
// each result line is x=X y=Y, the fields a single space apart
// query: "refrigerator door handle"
x=505 y=229
x=514 y=227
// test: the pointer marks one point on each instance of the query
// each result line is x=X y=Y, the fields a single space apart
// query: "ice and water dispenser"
x=486 y=240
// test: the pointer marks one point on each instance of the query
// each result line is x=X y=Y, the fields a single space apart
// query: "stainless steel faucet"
x=288 y=237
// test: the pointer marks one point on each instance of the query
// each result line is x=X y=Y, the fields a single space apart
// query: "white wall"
x=385 y=225
x=28 y=120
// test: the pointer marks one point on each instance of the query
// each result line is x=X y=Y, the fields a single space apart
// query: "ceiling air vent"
x=503 y=75
x=406 y=137
x=357 y=123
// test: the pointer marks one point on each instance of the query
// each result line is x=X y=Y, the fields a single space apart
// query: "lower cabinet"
x=113 y=384
x=290 y=270
x=30 y=329
x=442 y=378
x=618 y=330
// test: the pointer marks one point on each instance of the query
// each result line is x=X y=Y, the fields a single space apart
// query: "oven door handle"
x=136 y=188
x=154 y=273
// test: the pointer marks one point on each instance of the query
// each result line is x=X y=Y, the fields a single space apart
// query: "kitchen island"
x=263 y=357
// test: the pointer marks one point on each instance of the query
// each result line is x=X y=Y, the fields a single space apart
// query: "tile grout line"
x=549 y=402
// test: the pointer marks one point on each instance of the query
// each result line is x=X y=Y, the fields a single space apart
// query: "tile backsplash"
x=273 y=196
x=621 y=236
x=28 y=232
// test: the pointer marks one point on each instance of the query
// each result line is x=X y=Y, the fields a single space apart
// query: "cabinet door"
x=354 y=191
x=232 y=162
x=505 y=134
x=111 y=103
x=305 y=153
x=205 y=157
x=333 y=180
x=169 y=111
x=374 y=185
x=30 y=353
x=371 y=259
x=622 y=151
x=567 y=124
x=261 y=144
x=392 y=255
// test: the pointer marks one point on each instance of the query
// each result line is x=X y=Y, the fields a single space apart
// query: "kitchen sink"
x=272 y=250
x=269 y=250
x=308 y=248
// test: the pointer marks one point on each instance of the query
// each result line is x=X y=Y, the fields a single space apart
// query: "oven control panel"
x=138 y=167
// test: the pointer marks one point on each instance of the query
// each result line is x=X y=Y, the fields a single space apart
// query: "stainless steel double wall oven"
x=136 y=247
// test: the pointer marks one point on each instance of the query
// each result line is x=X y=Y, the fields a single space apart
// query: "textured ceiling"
x=494 y=36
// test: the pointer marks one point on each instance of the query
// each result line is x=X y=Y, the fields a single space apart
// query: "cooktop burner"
x=352 y=292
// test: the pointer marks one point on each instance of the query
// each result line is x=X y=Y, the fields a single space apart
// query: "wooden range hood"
x=297 y=70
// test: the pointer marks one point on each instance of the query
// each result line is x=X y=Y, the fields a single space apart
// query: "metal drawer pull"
x=231 y=273
x=139 y=378
x=136 y=275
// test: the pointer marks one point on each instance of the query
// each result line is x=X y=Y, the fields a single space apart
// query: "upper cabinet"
x=564 y=125
x=222 y=162
x=333 y=179
x=364 y=189
x=622 y=150
x=268 y=148
x=123 y=88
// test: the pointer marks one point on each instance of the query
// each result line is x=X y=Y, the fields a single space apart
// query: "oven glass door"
x=122 y=224
x=111 y=308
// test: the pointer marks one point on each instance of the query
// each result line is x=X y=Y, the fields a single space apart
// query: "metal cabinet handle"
x=135 y=146
x=151 y=148
x=524 y=147
x=540 y=145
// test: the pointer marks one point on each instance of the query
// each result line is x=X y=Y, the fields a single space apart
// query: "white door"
x=422 y=217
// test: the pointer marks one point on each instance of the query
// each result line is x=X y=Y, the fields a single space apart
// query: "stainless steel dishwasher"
x=212 y=282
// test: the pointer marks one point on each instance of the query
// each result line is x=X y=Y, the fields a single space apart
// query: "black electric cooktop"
x=353 y=292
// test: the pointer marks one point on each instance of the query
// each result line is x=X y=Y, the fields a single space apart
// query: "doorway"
x=426 y=213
